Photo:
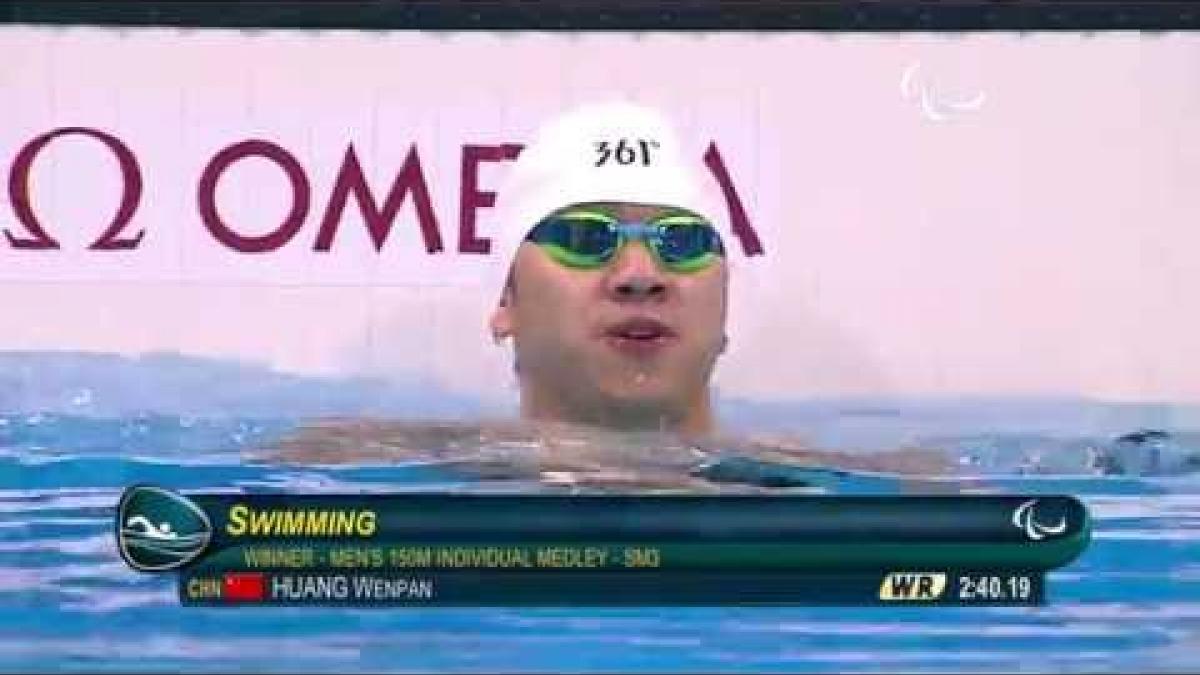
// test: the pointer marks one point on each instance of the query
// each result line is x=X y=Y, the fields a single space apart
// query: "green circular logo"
x=159 y=530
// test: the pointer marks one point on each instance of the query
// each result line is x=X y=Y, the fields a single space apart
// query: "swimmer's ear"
x=501 y=323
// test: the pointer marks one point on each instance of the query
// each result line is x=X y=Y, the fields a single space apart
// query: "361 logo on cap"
x=625 y=151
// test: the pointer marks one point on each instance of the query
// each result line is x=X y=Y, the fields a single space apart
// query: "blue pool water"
x=67 y=602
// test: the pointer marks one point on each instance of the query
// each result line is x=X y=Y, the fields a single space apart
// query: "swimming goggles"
x=588 y=239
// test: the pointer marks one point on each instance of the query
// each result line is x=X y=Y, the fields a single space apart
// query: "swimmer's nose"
x=636 y=276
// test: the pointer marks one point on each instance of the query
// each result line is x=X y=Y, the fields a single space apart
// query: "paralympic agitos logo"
x=1025 y=519
x=409 y=186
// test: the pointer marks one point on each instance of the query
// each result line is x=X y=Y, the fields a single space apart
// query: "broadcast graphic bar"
x=389 y=550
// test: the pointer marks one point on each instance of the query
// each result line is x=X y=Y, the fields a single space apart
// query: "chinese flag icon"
x=244 y=586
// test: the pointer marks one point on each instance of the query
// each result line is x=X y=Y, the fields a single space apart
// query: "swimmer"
x=611 y=289
x=614 y=275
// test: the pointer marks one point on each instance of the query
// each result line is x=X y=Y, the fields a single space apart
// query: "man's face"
x=628 y=342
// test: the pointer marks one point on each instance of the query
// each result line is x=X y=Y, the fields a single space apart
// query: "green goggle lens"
x=682 y=243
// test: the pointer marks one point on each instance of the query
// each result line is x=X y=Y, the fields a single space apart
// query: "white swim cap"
x=604 y=152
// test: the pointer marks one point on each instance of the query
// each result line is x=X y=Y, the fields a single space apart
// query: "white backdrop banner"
x=982 y=213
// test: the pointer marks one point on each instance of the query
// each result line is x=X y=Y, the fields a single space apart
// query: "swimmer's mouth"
x=640 y=332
